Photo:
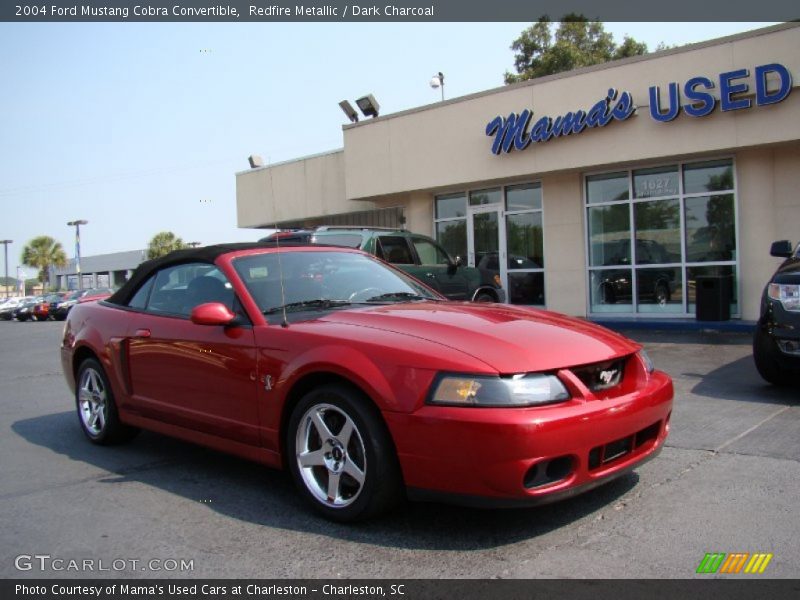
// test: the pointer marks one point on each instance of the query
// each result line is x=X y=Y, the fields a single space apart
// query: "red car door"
x=196 y=376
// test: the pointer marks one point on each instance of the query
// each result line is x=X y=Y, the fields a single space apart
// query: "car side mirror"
x=781 y=249
x=212 y=313
x=453 y=266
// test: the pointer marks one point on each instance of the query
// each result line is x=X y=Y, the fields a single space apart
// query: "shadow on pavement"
x=739 y=380
x=249 y=492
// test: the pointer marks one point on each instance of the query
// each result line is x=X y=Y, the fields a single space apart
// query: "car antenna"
x=284 y=320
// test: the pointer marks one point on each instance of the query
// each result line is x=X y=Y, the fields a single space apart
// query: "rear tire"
x=485 y=297
x=341 y=456
x=97 y=410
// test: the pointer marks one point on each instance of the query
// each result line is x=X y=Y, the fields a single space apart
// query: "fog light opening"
x=559 y=468
x=547 y=472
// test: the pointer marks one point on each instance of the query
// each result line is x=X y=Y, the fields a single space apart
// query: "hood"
x=788 y=272
x=507 y=338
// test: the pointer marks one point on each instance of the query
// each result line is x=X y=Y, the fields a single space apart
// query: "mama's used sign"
x=518 y=131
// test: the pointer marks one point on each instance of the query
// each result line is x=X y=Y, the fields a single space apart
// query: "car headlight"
x=648 y=363
x=516 y=390
x=787 y=294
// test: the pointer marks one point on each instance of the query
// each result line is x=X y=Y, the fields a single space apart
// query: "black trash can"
x=713 y=298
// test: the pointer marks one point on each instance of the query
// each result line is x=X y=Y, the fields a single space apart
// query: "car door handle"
x=142 y=333
x=430 y=275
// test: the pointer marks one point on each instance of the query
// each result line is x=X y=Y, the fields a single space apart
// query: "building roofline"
x=291 y=160
x=590 y=69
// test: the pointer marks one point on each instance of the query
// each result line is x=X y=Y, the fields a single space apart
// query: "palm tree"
x=43 y=252
x=164 y=243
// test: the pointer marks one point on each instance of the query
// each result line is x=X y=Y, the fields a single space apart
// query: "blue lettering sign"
x=672 y=109
x=727 y=89
x=511 y=132
x=698 y=101
x=703 y=103
x=763 y=96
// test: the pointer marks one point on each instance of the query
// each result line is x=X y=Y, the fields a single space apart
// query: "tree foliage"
x=544 y=48
x=163 y=243
x=43 y=252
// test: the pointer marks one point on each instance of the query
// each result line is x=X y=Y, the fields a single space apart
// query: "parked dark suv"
x=776 y=344
x=418 y=255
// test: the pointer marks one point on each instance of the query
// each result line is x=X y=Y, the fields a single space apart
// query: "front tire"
x=97 y=410
x=341 y=456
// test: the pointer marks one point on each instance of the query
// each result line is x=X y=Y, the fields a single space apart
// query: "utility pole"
x=77 y=224
x=5 y=248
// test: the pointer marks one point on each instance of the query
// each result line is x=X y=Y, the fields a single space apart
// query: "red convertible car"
x=362 y=382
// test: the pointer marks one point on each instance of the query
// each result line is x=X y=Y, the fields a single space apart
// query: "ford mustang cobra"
x=362 y=382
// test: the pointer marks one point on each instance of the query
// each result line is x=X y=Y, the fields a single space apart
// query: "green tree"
x=163 y=243
x=544 y=48
x=43 y=252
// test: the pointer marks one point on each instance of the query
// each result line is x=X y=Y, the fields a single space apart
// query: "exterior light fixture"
x=437 y=81
x=348 y=109
x=255 y=161
x=77 y=225
x=368 y=105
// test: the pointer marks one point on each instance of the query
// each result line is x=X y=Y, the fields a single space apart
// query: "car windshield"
x=306 y=281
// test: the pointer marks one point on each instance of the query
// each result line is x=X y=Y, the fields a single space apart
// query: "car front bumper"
x=528 y=456
x=783 y=327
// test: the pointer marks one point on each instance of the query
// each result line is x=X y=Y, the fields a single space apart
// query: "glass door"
x=485 y=239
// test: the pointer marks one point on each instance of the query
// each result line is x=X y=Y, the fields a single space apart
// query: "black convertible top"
x=203 y=254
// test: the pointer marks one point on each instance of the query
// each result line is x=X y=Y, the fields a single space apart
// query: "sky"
x=141 y=127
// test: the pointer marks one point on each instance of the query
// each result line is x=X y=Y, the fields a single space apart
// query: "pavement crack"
x=736 y=438
x=34 y=376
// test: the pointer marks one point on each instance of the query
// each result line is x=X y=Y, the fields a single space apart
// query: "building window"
x=653 y=231
x=451 y=223
x=524 y=244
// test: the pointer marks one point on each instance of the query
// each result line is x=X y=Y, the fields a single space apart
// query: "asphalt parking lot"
x=727 y=481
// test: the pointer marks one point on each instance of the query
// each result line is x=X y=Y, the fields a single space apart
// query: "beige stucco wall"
x=564 y=248
x=309 y=187
x=768 y=181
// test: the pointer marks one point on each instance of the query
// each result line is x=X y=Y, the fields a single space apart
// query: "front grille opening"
x=602 y=376
x=549 y=471
x=600 y=456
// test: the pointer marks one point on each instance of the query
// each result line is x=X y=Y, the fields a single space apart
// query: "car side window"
x=139 y=300
x=395 y=250
x=177 y=290
x=429 y=253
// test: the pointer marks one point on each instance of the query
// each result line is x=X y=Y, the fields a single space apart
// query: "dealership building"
x=618 y=191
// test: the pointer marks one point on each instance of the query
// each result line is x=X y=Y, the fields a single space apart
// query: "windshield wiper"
x=402 y=296
x=318 y=303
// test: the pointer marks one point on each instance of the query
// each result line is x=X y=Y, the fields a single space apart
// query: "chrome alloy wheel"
x=93 y=402
x=330 y=455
